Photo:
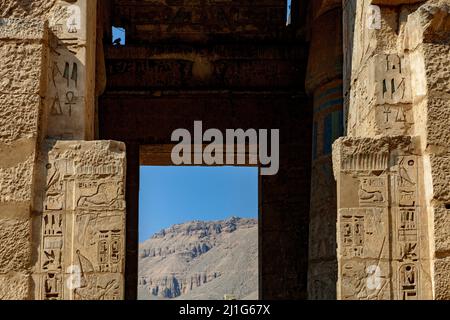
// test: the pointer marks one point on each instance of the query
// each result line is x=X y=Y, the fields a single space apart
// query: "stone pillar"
x=62 y=198
x=80 y=236
x=427 y=38
x=23 y=68
x=324 y=83
x=382 y=229
x=391 y=171
x=70 y=99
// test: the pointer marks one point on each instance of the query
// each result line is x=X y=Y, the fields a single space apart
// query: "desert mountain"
x=201 y=260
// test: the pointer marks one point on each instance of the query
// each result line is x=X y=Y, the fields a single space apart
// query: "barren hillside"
x=201 y=260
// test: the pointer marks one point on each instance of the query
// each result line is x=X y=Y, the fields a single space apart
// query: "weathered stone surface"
x=19 y=116
x=25 y=9
x=435 y=20
x=436 y=58
x=22 y=28
x=15 y=247
x=24 y=55
x=16 y=181
x=14 y=286
x=438 y=129
x=441 y=229
x=72 y=19
x=393 y=170
x=407 y=98
x=376 y=73
x=22 y=65
x=441 y=272
x=69 y=101
x=440 y=171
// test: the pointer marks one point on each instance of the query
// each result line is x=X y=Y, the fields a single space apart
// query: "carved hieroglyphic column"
x=70 y=103
x=391 y=194
x=80 y=231
x=62 y=205
x=382 y=230
x=325 y=86
x=81 y=243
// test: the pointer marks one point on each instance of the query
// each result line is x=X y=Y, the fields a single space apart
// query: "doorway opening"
x=198 y=233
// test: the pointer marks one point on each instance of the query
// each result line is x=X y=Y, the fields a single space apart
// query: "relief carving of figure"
x=106 y=195
x=370 y=196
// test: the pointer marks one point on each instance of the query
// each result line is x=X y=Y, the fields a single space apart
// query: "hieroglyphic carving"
x=109 y=250
x=52 y=284
x=392 y=80
x=53 y=233
x=379 y=223
x=101 y=195
x=163 y=19
x=409 y=279
x=392 y=91
x=69 y=78
x=372 y=191
x=352 y=234
x=51 y=255
x=82 y=229
x=356 y=280
x=363 y=232
x=407 y=224
x=101 y=237
x=364 y=162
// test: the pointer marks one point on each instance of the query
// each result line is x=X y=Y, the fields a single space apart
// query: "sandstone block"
x=14 y=286
x=441 y=272
x=441 y=229
x=15 y=247
x=25 y=9
x=16 y=181
x=82 y=231
x=20 y=28
x=18 y=116
x=21 y=70
x=438 y=129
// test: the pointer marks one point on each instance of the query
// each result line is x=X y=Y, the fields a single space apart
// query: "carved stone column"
x=324 y=82
x=391 y=168
x=80 y=235
x=70 y=99
x=382 y=229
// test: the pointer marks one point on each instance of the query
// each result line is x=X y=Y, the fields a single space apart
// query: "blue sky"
x=176 y=194
x=119 y=33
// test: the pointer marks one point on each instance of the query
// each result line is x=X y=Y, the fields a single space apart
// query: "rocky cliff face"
x=201 y=260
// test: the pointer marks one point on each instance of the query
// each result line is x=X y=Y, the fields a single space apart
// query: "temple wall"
x=23 y=51
x=377 y=72
x=391 y=169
